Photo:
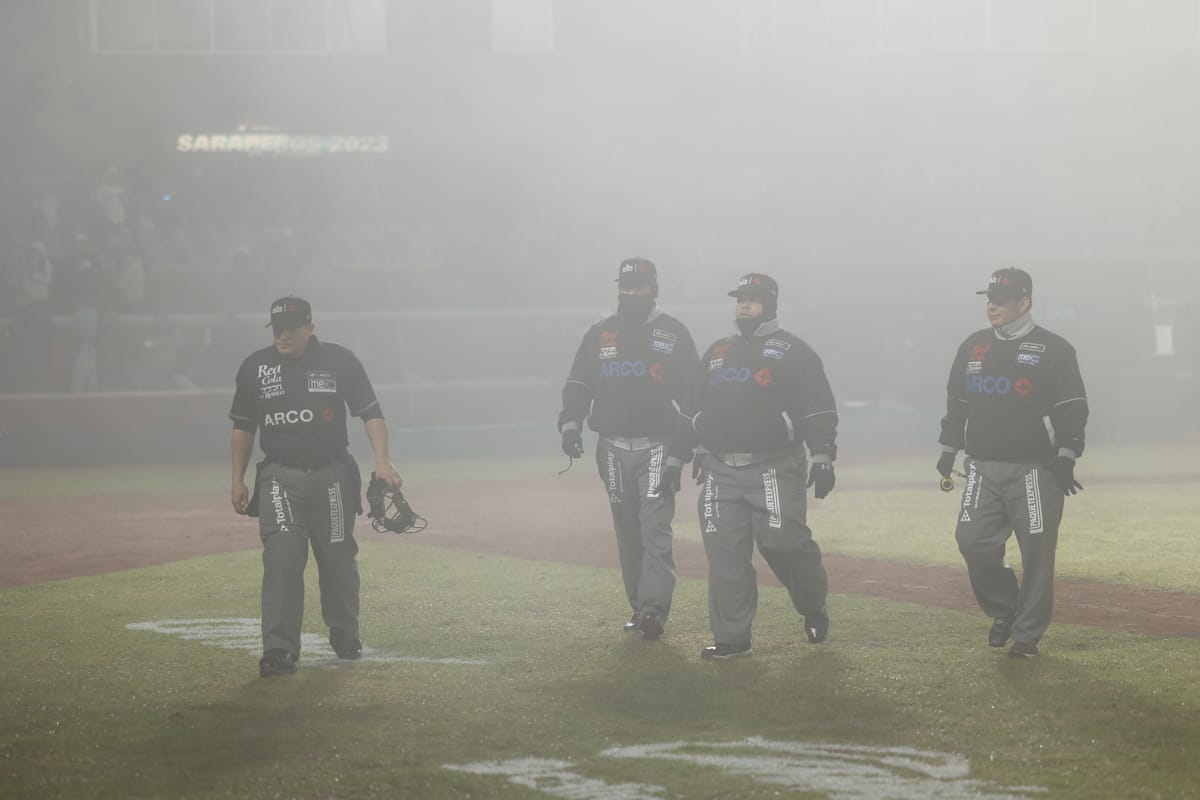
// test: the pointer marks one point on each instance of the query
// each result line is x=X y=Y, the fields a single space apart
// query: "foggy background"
x=461 y=178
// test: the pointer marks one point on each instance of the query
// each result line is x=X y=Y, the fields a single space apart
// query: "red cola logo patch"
x=1023 y=387
x=763 y=377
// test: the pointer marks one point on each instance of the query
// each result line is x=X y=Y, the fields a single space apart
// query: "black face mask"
x=634 y=307
x=750 y=325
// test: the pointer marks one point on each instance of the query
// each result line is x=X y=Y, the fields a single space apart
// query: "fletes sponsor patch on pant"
x=771 y=495
x=1033 y=502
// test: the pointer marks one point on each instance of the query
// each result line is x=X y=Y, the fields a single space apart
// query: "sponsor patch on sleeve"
x=974 y=367
x=1032 y=347
x=608 y=352
x=661 y=334
x=778 y=344
x=772 y=352
x=716 y=363
x=1030 y=359
x=661 y=346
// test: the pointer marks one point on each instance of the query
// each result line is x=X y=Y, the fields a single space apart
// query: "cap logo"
x=1006 y=281
x=277 y=309
x=757 y=281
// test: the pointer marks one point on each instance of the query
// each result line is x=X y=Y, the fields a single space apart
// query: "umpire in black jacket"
x=630 y=380
x=760 y=396
x=296 y=395
x=1015 y=400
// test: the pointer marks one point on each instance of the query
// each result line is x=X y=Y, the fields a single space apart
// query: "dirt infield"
x=504 y=517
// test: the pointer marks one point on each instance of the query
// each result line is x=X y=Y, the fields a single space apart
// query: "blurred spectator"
x=30 y=343
x=128 y=273
x=44 y=224
x=30 y=281
x=164 y=365
x=110 y=197
x=84 y=375
x=80 y=283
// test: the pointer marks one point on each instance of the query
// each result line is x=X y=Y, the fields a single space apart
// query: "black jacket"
x=1017 y=400
x=631 y=379
x=300 y=402
x=764 y=392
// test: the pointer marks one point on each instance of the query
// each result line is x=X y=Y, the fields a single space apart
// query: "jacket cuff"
x=822 y=458
x=569 y=425
x=948 y=449
x=672 y=461
x=1066 y=452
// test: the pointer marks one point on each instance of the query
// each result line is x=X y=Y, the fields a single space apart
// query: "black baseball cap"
x=288 y=312
x=1008 y=284
x=756 y=286
x=637 y=272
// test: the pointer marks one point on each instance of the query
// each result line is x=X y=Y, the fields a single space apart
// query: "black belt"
x=308 y=464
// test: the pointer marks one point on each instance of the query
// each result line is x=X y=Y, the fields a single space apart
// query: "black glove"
x=1064 y=475
x=672 y=476
x=572 y=443
x=823 y=478
x=698 y=469
x=945 y=464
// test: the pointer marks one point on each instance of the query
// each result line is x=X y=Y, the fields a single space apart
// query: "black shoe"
x=816 y=626
x=651 y=627
x=634 y=624
x=1001 y=631
x=721 y=652
x=1023 y=650
x=276 y=662
x=346 y=646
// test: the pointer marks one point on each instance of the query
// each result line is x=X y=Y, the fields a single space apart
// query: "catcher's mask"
x=389 y=511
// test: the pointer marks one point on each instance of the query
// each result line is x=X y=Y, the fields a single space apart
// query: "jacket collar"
x=1021 y=326
x=765 y=329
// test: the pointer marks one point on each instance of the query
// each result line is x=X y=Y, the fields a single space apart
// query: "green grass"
x=1113 y=532
x=1133 y=525
x=91 y=709
x=1129 y=535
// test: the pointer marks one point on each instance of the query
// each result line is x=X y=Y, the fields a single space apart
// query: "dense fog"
x=453 y=184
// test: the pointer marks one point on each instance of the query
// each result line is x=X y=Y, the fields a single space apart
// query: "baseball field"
x=495 y=664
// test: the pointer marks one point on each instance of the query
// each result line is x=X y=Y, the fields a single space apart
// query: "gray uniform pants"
x=1001 y=498
x=642 y=514
x=297 y=507
x=765 y=502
